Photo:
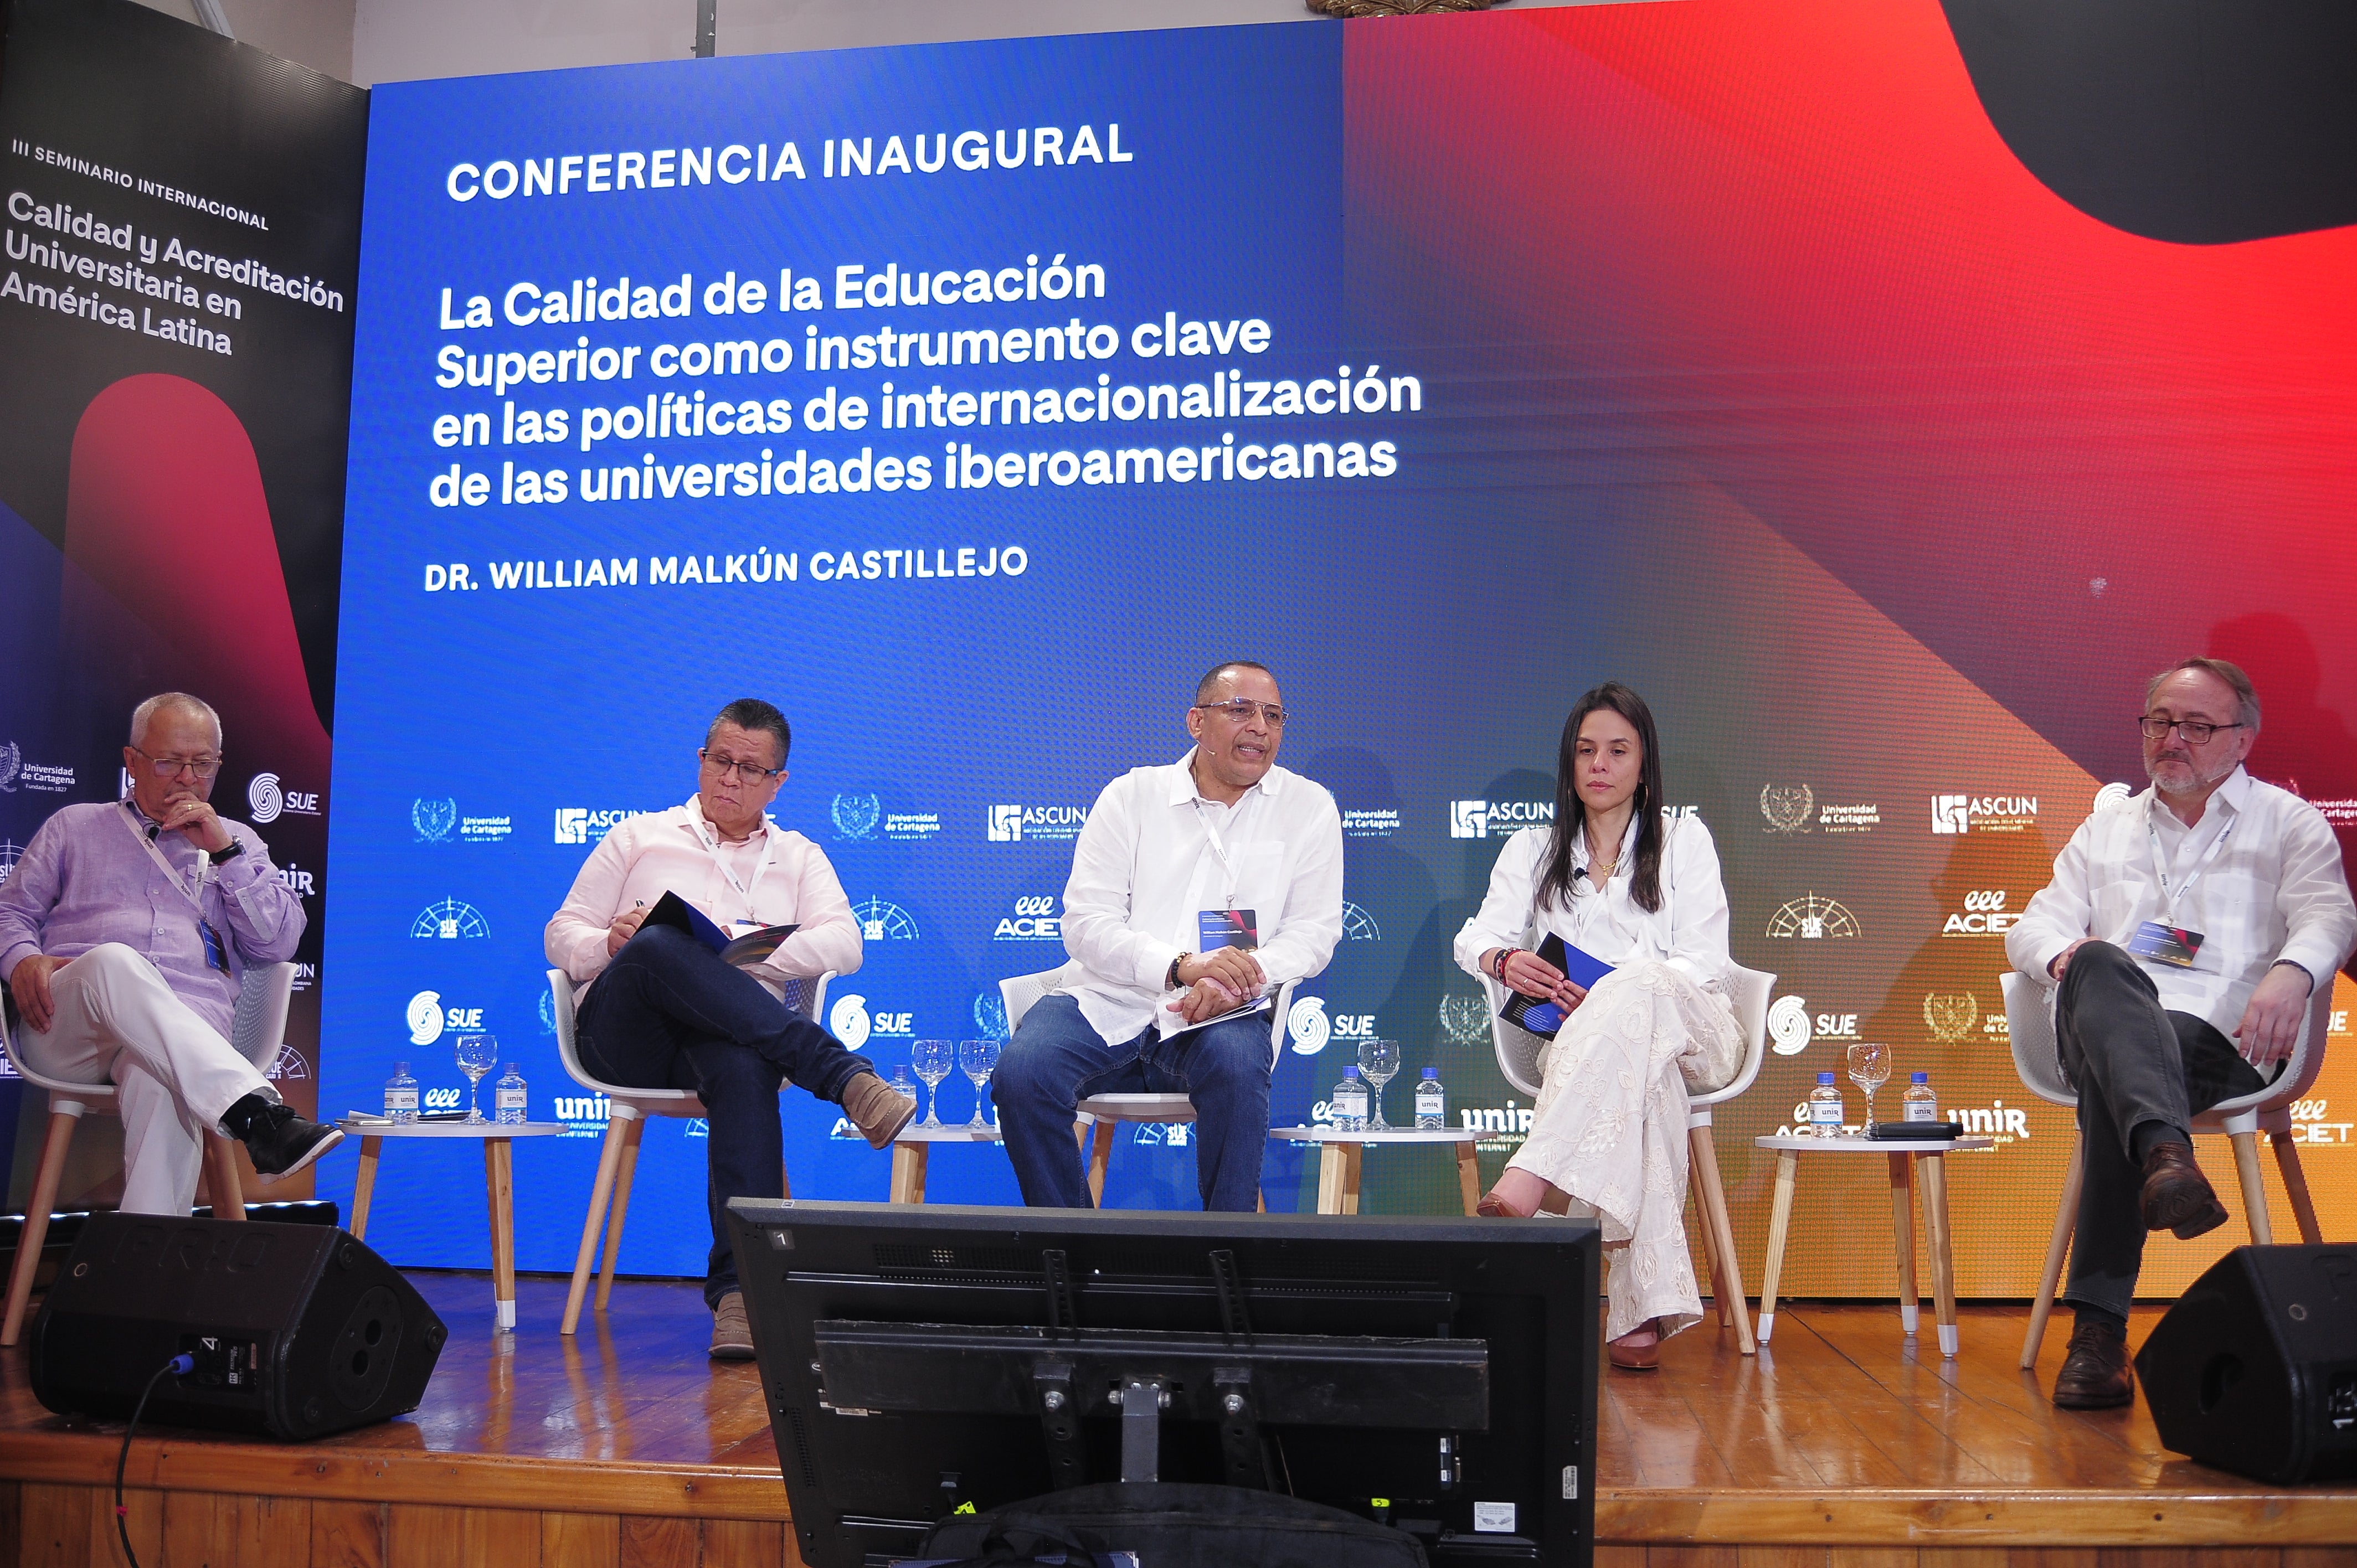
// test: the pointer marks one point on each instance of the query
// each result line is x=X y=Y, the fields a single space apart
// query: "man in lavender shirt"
x=124 y=933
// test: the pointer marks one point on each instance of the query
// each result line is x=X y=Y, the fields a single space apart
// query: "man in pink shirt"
x=125 y=933
x=658 y=1009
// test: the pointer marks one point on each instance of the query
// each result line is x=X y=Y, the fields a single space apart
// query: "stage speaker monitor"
x=298 y=1330
x=2254 y=1370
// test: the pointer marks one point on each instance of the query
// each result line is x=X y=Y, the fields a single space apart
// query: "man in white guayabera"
x=1196 y=887
x=2184 y=932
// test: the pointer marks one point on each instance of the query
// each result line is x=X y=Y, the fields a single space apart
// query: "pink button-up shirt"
x=85 y=880
x=672 y=852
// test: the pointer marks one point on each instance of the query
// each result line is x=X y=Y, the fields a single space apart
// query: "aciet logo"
x=1308 y=1026
x=1983 y=915
x=1034 y=920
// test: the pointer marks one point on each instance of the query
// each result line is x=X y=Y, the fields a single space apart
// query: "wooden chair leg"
x=622 y=1179
x=1779 y=1225
x=1081 y=1125
x=2050 y=1279
x=785 y=1181
x=2295 y=1180
x=1468 y=1177
x=1727 y=1264
x=2255 y=1188
x=1100 y=1158
x=609 y=1159
x=1330 y=1168
x=222 y=1188
x=54 y=1146
x=909 y=1162
x=1354 y=1156
x=365 y=1186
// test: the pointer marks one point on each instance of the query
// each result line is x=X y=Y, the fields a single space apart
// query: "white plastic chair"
x=2037 y=1059
x=1106 y=1112
x=618 y=1158
x=257 y=1031
x=1748 y=989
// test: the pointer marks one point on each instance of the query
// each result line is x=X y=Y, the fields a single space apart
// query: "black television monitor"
x=1436 y=1374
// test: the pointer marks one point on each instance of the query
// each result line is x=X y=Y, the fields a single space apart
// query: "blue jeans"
x=1056 y=1060
x=667 y=1014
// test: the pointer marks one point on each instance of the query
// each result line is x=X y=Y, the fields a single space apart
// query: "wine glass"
x=476 y=1055
x=932 y=1059
x=902 y=1083
x=979 y=1058
x=1869 y=1069
x=1378 y=1062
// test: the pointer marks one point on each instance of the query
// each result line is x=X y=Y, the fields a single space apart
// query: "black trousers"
x=667 y=1014
x=2132 y=1061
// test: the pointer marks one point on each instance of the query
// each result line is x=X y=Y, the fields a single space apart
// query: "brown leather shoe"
x=2177 y=1196
x=1639 y=1350
x=2096 y=1375
x=877 y=1109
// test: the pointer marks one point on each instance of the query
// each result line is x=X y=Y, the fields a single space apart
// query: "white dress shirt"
x=1155 y=853
x=1688 y=932
x=2258 y=874
x=773 y=878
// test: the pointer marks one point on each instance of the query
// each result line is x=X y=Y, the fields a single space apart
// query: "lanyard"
x=2169 y=901
x=712 y=847
x=179 y=885
x=1219 y=848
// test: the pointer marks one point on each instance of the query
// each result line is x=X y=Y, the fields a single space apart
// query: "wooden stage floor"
x=1841 y=1445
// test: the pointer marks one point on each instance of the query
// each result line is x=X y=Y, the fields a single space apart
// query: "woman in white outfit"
x=1641 y=892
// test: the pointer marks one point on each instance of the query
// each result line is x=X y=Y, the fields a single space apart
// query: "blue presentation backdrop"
x=972 y=628
x=1671 y=356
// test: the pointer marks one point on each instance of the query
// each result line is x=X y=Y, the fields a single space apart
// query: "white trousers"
x=174 y=1074
x=1609 y=1129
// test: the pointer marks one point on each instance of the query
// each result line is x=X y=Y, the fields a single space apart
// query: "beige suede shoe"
x=877 y=1109
x=732 y=1335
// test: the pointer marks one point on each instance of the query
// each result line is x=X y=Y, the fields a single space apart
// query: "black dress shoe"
x=2096 y=1375
x=2177 y=1196
x=281 y=1142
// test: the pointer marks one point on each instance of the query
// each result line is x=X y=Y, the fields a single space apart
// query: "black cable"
x=179 y=1366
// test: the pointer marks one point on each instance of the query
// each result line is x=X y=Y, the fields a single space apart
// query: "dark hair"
x=1571 y=816
x=1210 y=676
x=752 y=714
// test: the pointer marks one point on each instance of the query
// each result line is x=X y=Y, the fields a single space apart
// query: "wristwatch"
x=222 y=856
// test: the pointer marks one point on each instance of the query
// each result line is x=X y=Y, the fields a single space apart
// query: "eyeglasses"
x=169 y=766
x=1241 y=710
x=2196 y=731
x=752 y=772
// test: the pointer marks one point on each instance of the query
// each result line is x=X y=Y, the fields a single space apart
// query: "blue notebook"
x=1543 y=1018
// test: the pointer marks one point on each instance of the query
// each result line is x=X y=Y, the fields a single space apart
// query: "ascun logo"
x=266 y=799
x=1033 y=920
x=1497 y=819
x=580 y=824
x=1984 y=814
x=1046 y=824
x=883 y=922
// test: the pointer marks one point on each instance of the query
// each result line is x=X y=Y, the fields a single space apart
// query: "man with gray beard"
x=2184 y=933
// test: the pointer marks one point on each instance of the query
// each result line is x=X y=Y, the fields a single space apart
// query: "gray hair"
x=148 y=710
x=2246 y=696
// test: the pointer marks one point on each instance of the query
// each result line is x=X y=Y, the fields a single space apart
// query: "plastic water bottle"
x=1919 y=1103
x=1351 y=1103
x=1826 y=1108
x=509 y=1097
x=1431 y=1104
x=401 y=1095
